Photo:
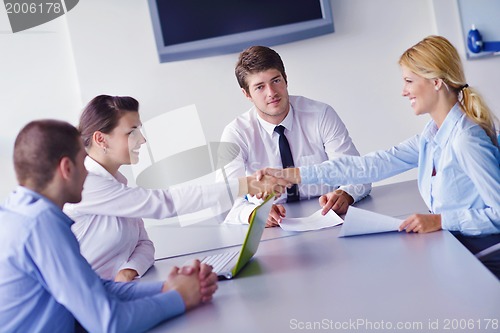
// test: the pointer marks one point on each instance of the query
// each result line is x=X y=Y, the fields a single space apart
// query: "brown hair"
x=102 y=114
x=435 y=57
x=257 y=59
x=38 y=149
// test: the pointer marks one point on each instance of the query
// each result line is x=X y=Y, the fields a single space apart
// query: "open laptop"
x=227 y=264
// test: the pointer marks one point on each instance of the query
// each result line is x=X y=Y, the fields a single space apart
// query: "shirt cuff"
x=240 y=215
x=145 y=289
x=460 y=220
x=357 y=192
x=172 y=300
x=233 y=186
x=308 y=175
x=450 y=221
x=173 y=303
x=141 y=269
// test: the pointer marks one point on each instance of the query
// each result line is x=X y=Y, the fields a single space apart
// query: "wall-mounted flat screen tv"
x=187 y=29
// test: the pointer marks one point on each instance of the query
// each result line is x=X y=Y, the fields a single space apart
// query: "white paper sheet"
x=313 y=222
x=359 y=221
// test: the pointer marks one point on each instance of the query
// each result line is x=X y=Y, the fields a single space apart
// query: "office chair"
x=488 y=252
x=486 y=249
x=490 y=257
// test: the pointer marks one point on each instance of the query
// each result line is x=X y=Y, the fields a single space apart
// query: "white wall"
x=37 y=80
x=483 y=74
x=354 y=69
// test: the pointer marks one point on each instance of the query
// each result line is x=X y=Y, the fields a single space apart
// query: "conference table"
x=314 y=280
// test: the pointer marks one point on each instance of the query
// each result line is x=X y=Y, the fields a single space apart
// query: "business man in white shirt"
x=279 y=125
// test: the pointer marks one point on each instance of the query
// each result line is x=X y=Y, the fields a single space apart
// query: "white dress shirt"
x=315 y=133
x=108 y=220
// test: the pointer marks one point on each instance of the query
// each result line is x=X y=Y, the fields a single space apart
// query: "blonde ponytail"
x=476 y=109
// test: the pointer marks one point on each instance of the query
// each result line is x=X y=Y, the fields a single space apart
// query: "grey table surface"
x=317 y=281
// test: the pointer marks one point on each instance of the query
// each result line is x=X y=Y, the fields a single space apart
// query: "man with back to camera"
x=45 y=283
x=284 y=130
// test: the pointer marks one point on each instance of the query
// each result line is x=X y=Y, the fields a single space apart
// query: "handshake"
x=270 y=180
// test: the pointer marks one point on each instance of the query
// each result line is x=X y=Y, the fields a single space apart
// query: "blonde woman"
x=457 y=154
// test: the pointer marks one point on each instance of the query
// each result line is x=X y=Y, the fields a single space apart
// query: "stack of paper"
x=359 y=222
x=313 y=222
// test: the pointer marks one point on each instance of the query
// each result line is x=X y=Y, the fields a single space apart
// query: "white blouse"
x=108 y=220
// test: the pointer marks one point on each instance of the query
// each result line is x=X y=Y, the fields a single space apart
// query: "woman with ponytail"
x=457 y=154
x=436 y=58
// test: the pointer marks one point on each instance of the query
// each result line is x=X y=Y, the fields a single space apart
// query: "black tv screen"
x=186 y=29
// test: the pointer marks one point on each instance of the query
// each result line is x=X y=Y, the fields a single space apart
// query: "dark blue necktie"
x=287 y=160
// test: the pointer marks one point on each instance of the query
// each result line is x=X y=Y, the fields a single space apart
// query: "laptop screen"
x=257 y=224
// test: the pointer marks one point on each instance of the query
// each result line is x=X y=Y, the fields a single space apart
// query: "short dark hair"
x=257 y=59
x=102 y=114
x=40 y=146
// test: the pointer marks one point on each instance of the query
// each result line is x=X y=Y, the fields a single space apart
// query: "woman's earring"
x=105 y=150
x=437 y=88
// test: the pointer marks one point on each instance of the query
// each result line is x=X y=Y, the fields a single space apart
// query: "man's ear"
x=99 y=139
x=66 y=167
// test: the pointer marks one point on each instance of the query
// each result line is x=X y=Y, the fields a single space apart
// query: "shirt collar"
x=286 y=123
x=94 y=167
x=24 y=195
x=26 y=192
x=441 y=135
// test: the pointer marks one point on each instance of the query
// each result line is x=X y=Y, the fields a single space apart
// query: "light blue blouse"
x=45 y=283
x=465 y=187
